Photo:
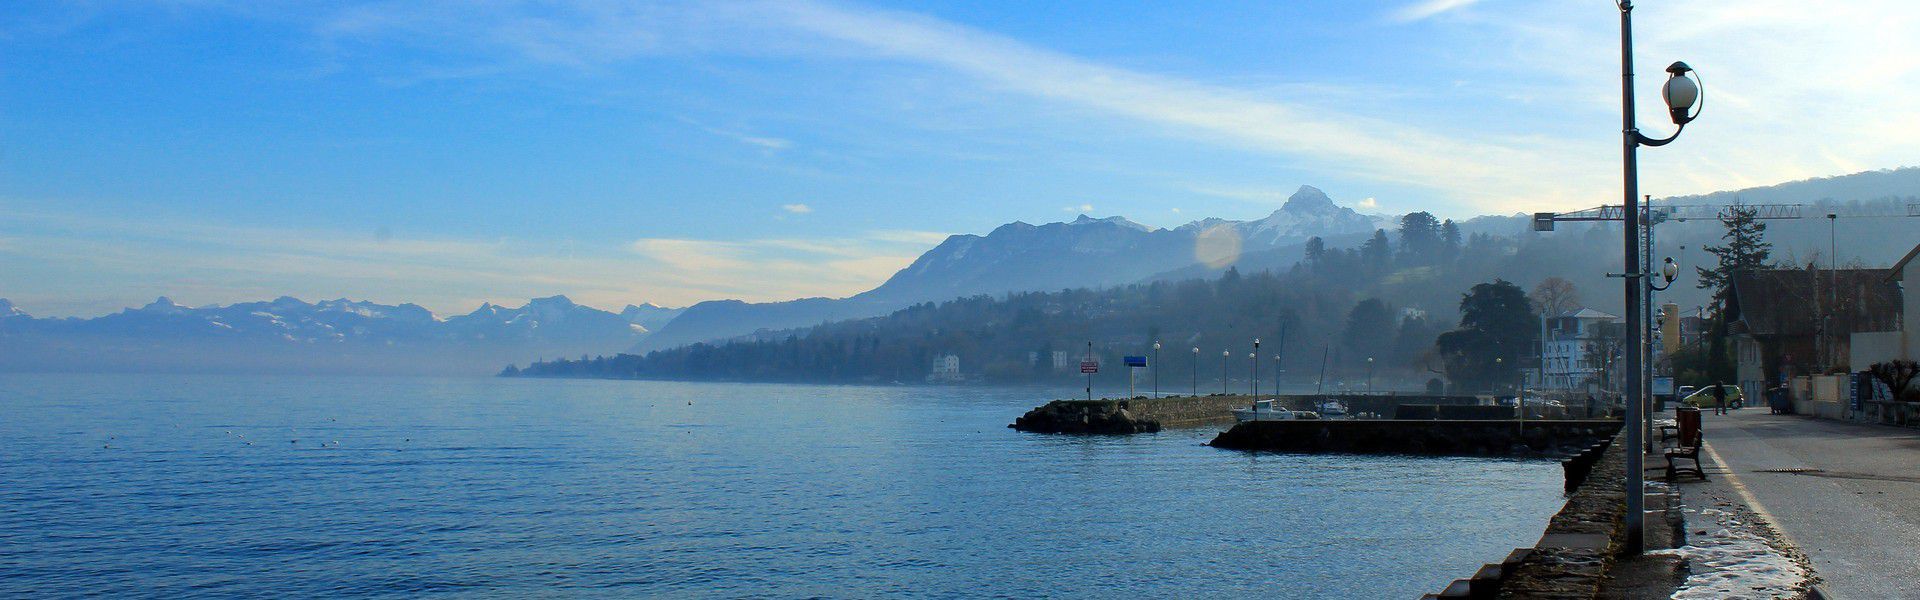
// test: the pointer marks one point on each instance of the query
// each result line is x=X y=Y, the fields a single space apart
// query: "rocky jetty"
x=1083 y=416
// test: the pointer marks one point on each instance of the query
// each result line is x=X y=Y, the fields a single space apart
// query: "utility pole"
x=1089 y=373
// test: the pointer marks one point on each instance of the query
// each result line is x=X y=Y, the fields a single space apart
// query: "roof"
x=1792 y=302
x=1585 y=313
x=1901 y=267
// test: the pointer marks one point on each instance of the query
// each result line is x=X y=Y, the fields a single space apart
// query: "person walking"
x=1719 y=398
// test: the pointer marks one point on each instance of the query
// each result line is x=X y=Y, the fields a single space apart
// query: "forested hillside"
x=1387 y=299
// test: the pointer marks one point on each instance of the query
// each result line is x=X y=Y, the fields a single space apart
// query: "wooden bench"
x=1687 y=421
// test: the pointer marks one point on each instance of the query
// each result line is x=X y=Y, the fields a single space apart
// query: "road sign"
x=1136 y=361
x=1089 y=367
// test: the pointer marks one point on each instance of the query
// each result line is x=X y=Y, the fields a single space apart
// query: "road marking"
x=1733 y=481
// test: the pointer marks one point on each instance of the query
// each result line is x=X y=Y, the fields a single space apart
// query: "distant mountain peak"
x=555 y=300
x=163 y=304
x=1114 y=220
x=7 y=309
x=1309 y=199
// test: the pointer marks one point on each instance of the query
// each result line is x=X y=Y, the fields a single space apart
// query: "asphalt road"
x=1846 y=495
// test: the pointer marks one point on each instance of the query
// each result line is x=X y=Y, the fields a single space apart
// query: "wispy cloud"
x=1428 y=8
x=798 y=209
x=1079 y=208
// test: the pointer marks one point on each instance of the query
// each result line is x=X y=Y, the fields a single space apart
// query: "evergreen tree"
x=1369 y=331
x=1316 y=251
x=1450 y=242
x=1419 y=238
x=1377 y=253
x=1746 y=248
x=1498 y=328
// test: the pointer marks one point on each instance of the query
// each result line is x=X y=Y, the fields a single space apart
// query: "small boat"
x=1268 y=410
x=1333 y=408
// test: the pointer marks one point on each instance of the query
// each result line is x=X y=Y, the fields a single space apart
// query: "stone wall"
x=1135 y=415
x=1576 y=550
x=1446 y=437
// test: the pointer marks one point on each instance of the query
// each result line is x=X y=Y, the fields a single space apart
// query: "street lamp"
x=1196 y=371
x=1224 y=355
x=1681 y=92
x=1369 y=374
x=1255 y=356
x=1156 y=368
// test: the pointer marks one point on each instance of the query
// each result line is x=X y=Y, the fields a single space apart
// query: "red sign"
x=1089 y=367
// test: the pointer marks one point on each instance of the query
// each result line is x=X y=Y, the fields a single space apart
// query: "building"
x=1787 y=322
x=1062 y=362
x=1575 y=348
x=1900 y=341
x=946 y=367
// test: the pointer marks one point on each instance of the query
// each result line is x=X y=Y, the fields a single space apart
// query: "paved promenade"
x=1846 y=495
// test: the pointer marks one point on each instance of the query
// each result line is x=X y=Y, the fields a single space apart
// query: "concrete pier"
x=1445 y=437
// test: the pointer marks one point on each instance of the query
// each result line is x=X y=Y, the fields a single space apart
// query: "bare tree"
x=1554 y=296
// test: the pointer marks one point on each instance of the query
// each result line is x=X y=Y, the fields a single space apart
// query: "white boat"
x=1267 y=410
x=1333 y=408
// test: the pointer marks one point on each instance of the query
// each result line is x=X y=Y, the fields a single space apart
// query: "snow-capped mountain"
x=287 y=334
x=649 y=316
x=1084 y=252
x=8 y=310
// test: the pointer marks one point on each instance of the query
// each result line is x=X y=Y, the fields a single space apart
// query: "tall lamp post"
x=1255 y=355
x=1680 y=93
x=1156 y=368
x=1369 y=374
x=1224 y=355
x=1196 y=371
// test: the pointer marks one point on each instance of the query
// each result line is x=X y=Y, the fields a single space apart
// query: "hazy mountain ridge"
x=288 y=334
x=1018 y=257
x=358 y=336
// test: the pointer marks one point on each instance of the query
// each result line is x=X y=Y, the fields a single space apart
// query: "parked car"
x=1703 y=398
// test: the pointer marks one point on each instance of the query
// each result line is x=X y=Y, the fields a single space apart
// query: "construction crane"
x=1651 y=215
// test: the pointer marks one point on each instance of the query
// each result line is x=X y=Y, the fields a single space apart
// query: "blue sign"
x=1135 y=361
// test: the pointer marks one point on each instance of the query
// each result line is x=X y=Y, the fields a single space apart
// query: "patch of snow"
x=1732 y=560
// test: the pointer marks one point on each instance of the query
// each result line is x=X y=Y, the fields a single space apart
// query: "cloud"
x=906 y=236
x=798 y=209
x=1083 y=208
x=1367 y=203
x=89 y=265
x=1428 y=8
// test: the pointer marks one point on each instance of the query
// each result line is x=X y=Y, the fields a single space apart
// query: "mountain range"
x=287 y=334
x=326 y=336
x=1086 y=252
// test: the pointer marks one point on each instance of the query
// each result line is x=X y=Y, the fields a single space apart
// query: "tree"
x=1745 y=248
x=1419 y=238
x=1498 y=328
x=1449 y=240
x=1369 y=331
x=1555 y=295
x=1316 y=250
x=1377 y=253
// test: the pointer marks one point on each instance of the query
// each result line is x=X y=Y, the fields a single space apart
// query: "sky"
x=452 y=153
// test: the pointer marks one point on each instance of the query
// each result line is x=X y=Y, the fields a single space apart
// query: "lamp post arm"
x=1643 y=140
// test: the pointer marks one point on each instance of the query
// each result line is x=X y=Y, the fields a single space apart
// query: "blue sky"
x=454 y=153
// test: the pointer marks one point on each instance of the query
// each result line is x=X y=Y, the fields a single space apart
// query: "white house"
x=946 y=367
x=1574 y=347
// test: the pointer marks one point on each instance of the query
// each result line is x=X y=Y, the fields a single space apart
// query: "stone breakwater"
x=1134 y=415
x=1440 y=437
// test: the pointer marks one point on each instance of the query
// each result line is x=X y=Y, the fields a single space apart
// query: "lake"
x=169 y=485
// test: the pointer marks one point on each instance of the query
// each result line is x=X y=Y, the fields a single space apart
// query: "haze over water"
x=196 y=486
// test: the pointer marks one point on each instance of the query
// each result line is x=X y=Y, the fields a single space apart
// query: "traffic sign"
x=1136 y=361
x=1089 y=367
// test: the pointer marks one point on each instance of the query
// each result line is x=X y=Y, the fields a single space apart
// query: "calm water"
x=235 y=486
